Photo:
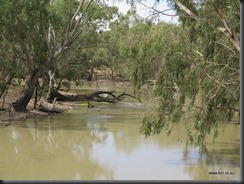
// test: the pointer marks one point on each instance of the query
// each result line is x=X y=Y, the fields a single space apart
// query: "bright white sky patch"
x=144 y=11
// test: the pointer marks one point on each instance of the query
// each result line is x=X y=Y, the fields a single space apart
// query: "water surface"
x=105 y=144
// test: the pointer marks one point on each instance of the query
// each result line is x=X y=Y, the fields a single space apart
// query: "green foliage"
x=89 y=52
x=141 y=46
x=10 y=65
x=34 y=31
x=199 y=82
x=24 y=24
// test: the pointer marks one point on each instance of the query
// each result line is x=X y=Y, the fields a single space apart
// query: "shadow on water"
x=215 y=156
x=225 y=154
x=222 y=162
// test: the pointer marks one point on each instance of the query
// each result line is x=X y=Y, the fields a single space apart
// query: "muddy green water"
x=105 y=144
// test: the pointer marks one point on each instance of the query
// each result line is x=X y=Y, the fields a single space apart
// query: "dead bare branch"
x=98 y=96
x=186 y=10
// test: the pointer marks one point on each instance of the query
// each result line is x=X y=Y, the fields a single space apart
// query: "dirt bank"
x=7 y=115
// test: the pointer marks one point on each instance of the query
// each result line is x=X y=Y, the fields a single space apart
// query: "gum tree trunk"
x=21 y=103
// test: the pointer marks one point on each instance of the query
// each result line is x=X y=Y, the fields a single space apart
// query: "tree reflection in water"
x=223 y=157
x=44 y=149
x=85 y=144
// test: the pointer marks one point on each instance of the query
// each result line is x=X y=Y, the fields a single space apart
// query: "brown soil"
x=7 y=114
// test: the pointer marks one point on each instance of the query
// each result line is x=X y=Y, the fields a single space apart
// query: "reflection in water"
x=87 y=144
x=223 y=157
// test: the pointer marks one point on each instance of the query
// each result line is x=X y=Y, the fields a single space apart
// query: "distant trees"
x=137 y=47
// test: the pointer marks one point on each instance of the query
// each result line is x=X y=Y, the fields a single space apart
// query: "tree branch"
x=185 y=9
x=228 y=31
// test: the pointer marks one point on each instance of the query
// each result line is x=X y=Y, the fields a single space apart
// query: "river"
x=104 y=143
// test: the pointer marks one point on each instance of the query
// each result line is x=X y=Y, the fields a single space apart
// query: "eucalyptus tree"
x=87 y=52
x=6 y=70
x=135 y=48
x=199 y=82
x=204 y=66
x=9 y=59
x=113 y=38
x=44 y=31
x=10 y=67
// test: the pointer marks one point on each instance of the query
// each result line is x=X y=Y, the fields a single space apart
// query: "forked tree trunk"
x=73 y=31
x=21 y=103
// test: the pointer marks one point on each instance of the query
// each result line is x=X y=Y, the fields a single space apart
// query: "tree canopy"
x=44 y=33
x=199 y=79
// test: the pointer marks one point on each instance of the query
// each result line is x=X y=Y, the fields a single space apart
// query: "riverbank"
x=8 y=115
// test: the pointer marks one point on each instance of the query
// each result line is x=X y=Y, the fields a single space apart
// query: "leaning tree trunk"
x=21 y=103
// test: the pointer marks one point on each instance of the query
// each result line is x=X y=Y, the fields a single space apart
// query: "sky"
x=143 y=11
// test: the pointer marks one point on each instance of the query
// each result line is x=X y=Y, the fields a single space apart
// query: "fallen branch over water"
x=98 y=96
